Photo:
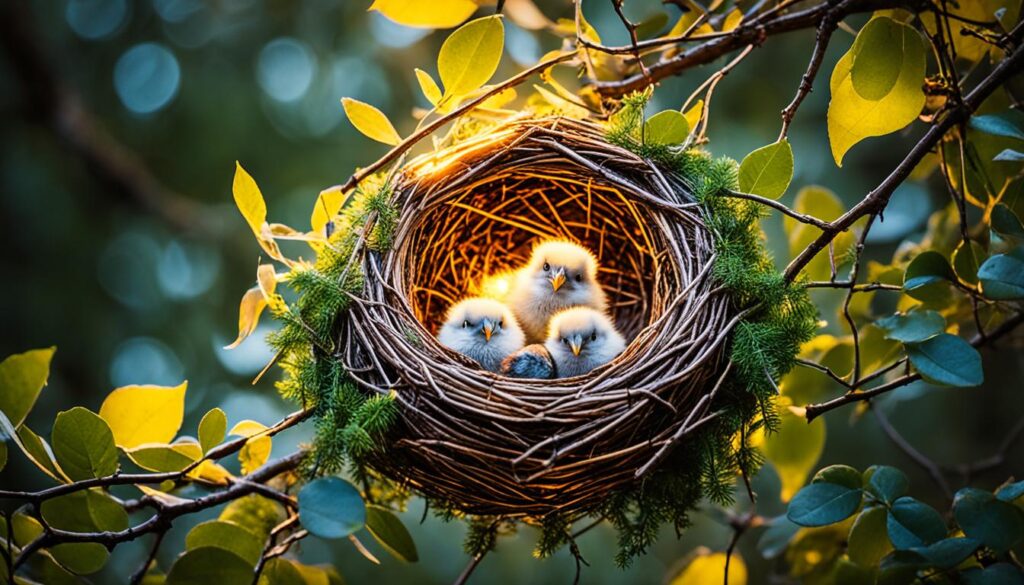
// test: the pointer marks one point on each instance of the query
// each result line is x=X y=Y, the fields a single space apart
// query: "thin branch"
x=140 y=574
x=166 y=512
x=214 y=454
x=826 y=27
x=916 y=456
x=995 y=460
x=802 y=218
x=463 y=577
x=877 y=199
x=634 y=41
x=815 y=410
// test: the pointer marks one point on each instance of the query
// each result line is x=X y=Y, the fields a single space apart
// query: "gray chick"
x=533 y=361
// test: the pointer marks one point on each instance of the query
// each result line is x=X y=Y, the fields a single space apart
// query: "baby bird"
x=533 y=361
x=581 y=339
x=558 y=275
x=482 y=329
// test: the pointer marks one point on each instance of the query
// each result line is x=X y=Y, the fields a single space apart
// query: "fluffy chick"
x=533 y=361
x=581 y=339
x=558 y=275
x=482 y=329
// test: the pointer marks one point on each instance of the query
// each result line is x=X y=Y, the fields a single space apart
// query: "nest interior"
x=489 y=445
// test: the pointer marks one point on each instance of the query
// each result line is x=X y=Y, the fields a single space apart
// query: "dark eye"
x=465 y=324
x=565 y=341
x=547 y=267
x=593 y=337
x=579 y=277
x=501 y=323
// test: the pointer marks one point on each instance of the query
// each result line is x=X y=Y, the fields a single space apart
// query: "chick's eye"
x=465 y=324
x=547 y=267
x=501 y=323
x=565 y=341
x=579 y=278
x=593 y=337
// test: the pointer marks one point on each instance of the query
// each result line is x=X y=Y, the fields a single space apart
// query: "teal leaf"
x=331 y=508
x=995 y=574
x=947 y=359
x=912 y=524
x=981 y=515
x=821 y=504
x=1002 y=276
x=1006 y=223
x=913 y=326
x=886 y=483
x=1009 y=124
x=1011 y=492
x=1009 y=155
x=926 y=268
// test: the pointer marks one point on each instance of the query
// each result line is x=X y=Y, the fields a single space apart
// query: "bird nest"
x=491 y=445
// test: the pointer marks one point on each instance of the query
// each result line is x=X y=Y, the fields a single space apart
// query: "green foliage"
x=768 y=170
x=901 y=538
x=330 y=507
x=389 y=531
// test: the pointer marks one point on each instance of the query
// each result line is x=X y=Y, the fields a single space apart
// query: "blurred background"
x=121 y=120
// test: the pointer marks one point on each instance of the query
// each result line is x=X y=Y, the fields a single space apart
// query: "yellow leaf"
x=249 y=311
x=328 y=203
x=428 y=86
x=249 y=200
x=794 y=450
x=694 y=114
x=470 y=55
x=254 y=454
x=732 y=20
x=708 y=567
x=852 y=118
x=825 y=205
x=211 y=472
x=499 y=100
x=247 y=428
x=162 y=457
x=417 y=13
x=526 y=14
x=370 y=121
x=144 y=414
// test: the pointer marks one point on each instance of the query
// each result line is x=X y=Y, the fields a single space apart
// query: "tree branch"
x=916 y=456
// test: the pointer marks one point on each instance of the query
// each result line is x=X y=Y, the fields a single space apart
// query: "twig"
x=920 y=458
x=826 y=27
x=140 y=574
x=802 y=218
x=813 y=411
x=463 y=577
x=634 y=41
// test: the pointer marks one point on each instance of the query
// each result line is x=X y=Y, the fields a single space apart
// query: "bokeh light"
x=186 y=270
x=285 y=69
x=146 y=77
x=145 y=360
x=96 y=19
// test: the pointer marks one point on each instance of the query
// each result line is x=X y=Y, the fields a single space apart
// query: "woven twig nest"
x=490 y=445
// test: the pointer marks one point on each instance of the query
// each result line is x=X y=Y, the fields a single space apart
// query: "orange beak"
x=488 y=329
x=557 y=280
x=576 y=344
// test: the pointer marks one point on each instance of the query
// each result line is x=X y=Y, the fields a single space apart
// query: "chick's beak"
x=488 y=329
x=576 y=343
x=557 y=280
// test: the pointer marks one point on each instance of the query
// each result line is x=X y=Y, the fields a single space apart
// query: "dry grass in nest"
x=491 y=445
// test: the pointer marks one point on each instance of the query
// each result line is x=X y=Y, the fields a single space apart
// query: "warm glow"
x=496 y=286
x=439 y=161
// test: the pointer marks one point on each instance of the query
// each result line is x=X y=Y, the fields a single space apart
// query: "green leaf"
x=1011 y=492
x=944 y=554
x=370 y=121
x=91 y=510
x=1009 y=155
x=35 y=448
x=852 y=117
x=22 y=377
x=768 y=170
x=820 y=504
x=1009 y=124
x=948 y=360
x=981 y=515
x=1002 y=276
x=144 y=414
x=81 y=558
x=995 y=574
x=794 y=450
x=825 y=205
x=926 y=268
x=212 y=429
x=331 y=508
x=470 y=56
x=1006 y=223
x=914 y=326
x=165 y=458
x=668 y=127
x=879 y=60
x=911 y=524
x=967 y=259
x=228 y=536
x=391 y=533
x=83 y=444
x=886 y=483
x=869 y=539
x=840 y=475
x=255 y=513
x=3 y=454
x=417 y=13
x=208 y=564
